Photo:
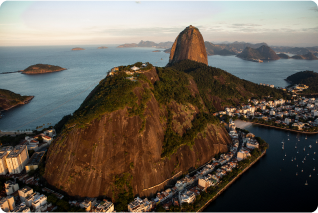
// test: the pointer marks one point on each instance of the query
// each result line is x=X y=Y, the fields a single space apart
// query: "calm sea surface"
x=61 y=93
x=270 y=185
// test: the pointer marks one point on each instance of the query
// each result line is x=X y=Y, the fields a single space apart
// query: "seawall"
x=232 y=181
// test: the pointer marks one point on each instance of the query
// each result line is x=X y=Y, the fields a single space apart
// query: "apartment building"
x=11 y=187
x=17 y=159
x=21 y=208
x=39 y=203
x=4 y=152
x=139 y=205
x=34 y=161
x=105 y=206
x=24 y=192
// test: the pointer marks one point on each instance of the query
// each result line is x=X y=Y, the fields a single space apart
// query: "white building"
x=39 y=202
x=24 y=192
x=287 y=121
x=139 y=205
x=50 y=132
x=187 y=197
x=17 y=159
x=134 y=68
x=4 y=152
x=241 y=155
x=272 y=112
x=105 y=206
x=11 y=187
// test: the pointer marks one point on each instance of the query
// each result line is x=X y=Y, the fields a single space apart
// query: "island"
x=308 y=56
x=41 y=69
x=9 y=99
x=283 y=56
x=78 y=48
x=102 y=47
x=262 y=53
x=156 y=51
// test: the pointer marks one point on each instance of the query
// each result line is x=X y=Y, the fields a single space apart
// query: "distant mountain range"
x=162 y=45
x=226 y=48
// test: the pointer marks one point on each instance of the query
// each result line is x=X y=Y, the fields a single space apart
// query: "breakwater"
x=232 y=181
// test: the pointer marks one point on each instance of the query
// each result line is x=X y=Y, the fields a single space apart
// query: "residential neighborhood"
x=297 y=114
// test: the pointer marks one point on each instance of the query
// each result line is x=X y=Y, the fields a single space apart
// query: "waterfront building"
x=17 y=159
x=187 y=197
x=139 y=205
x=34 y=161
x=11 y=187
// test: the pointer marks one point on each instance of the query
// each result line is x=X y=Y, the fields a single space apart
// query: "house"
x=134 y=68
x=139 y=205
x=11 y=187
x=187 y=197
x=17 y=159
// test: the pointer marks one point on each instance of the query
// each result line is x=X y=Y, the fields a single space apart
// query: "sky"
x=43 y=23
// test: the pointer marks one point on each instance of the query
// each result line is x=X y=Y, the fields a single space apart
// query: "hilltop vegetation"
x=10 y=99
x=309 y=78
x=219 y=88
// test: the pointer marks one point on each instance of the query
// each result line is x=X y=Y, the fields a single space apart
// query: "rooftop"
x=36 y=158
x=17 y=151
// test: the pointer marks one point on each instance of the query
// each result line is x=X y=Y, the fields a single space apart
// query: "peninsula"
x=41 y=69
x=141 y=121
x=308 y=78
x=308 y=56
x=9 y=99
x=78 y=48
x=102 y=47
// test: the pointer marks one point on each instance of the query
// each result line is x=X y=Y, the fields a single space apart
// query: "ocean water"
x=271 y=184
x=61 y=93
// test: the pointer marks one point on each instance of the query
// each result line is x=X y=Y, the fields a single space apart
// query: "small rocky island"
x=102 y=47
x=78 y=48
x=42 y=68
x=10 y=99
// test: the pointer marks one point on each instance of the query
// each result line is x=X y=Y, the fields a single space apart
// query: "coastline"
x=290 y=130
x=232 y=181
x=21 y=103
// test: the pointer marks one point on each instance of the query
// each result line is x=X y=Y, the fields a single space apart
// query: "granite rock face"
x=188 y=45
x=88 y=160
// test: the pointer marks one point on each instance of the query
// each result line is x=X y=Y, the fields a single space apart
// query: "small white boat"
x=302 y=170
x=285 y=154
x=306 y=183
x=314 y=169
x=306 y=137
x=296 y=173
x=297 y=152
x=310 y=146
x=307 y=153
x=295 y=147
x=313 y=159
x=297 y=165
x=304 y=148
x=309 y=175
x=317 y=141
x=292 y=160
x=314 y=153
x=283 y=159
x=288 y=138
x=295 y=158
x=302 y=161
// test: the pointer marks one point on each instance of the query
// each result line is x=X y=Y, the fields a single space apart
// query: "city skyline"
x=94 y=23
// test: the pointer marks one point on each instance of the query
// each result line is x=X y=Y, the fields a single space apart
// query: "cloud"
x=245 y=25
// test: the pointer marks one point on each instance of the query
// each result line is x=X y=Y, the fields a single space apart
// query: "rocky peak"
x=188 y=45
